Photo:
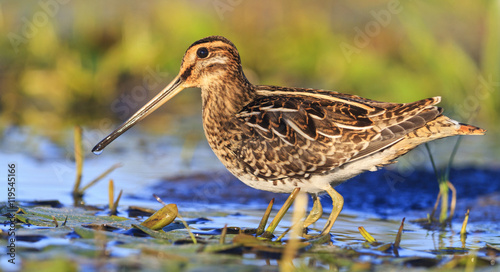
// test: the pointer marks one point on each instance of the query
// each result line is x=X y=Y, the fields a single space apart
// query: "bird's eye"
x=202 y=52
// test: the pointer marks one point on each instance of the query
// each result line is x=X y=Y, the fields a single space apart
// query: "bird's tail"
x=449 y=127
x=465 y=129
x=442 y=127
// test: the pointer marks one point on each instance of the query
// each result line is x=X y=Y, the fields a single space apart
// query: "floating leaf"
x=162 y=217
x=35 y=221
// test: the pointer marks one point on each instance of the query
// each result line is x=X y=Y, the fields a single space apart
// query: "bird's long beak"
x=166 y=94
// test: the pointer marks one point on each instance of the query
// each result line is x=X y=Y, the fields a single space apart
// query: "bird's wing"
x=287 y=133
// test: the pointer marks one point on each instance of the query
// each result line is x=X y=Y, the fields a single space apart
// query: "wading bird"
x=280 y=138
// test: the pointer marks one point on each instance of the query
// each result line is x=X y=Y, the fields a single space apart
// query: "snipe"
x=279 y=138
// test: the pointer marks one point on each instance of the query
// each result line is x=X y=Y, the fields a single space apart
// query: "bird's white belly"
x=319 y=183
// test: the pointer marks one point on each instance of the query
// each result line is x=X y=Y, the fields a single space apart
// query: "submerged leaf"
x=54 y=264
x=247 y=240
x=153 y=233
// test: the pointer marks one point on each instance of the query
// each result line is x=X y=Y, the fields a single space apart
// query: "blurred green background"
x=93 y=63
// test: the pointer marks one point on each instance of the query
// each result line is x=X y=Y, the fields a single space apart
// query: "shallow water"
x=202 y=188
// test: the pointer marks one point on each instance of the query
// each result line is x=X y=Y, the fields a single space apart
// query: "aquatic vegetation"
x=79 y=158
x=92 y=240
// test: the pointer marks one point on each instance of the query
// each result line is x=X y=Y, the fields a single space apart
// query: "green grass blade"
x=452 y=157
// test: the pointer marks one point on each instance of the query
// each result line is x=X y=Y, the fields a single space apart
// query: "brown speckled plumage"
x=277 y=138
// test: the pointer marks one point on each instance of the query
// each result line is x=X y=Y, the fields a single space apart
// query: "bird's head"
x=211 y=60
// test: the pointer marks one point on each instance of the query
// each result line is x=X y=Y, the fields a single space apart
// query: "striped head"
x=210 y=60
x=208 y=64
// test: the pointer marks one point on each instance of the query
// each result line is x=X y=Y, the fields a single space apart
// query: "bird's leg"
x=337 y=204
x=316 y=212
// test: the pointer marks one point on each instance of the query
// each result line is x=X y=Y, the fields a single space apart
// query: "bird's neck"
x=222 y=99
